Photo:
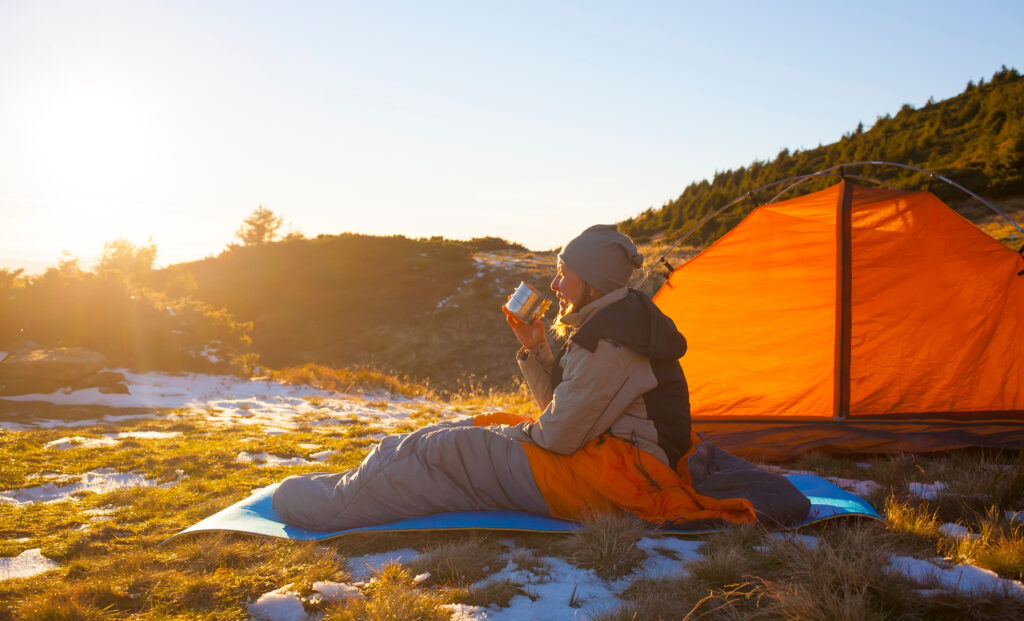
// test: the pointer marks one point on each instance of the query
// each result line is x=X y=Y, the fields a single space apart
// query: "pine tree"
x=260 y=227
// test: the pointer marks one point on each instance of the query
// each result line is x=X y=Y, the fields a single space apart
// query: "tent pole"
x=799 y=179
x=844 y=289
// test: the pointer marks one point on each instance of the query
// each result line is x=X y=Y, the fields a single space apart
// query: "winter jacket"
x=618 y=373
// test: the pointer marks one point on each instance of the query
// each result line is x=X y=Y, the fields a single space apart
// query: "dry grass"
x=607 y=545
x=746 y=576
x=390 y=596
x=492 y=593
x=460 y=561
x=348 y=380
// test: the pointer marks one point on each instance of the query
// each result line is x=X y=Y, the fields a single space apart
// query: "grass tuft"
x=607 y=545
x=459 y=562
x=391 y=595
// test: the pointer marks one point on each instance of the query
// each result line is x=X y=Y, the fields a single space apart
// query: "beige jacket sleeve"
x=595 y=391
x=538 y=377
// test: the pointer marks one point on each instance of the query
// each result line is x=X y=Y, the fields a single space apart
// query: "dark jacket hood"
x=637 y=323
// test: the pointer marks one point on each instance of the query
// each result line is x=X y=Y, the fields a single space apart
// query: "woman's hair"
x=587 y=295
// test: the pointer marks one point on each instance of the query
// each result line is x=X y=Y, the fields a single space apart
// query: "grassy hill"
x=429 y=308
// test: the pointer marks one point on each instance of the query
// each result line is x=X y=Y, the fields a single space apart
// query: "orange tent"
x=853 y=319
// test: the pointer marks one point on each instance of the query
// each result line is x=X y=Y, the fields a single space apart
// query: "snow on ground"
x=108 y=439
x=928 y=491
x=966 y=579
x=957 y=531
x=790 y=537
x=559 y=591
x=857 y=486
x=98 y=481
x=363 y=568
x=271 y=406
x=63 y=444
x=279 y=605
x=336 y=591
x=28 y=563
x=52 y=423
x=554 y=589
x=266 y=460
x=144 y=435
x=680 y=551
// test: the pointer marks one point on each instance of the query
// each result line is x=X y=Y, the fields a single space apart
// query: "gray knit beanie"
x=602 y=256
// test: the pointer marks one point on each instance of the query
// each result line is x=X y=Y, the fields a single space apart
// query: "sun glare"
x=94 y=143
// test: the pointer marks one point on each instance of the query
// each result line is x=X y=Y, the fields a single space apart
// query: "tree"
x=260 y=227
x=121 y=255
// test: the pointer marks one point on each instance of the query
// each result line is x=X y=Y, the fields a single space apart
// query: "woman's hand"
x=530 y=335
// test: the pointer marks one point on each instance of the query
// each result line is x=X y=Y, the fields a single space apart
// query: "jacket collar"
x=577 y=318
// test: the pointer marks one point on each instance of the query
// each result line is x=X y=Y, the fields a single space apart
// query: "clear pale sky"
x=525 y=120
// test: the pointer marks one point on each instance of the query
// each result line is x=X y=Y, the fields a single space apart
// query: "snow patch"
x=964 y=578
x=928 y=491
x=566 y=592
x=322 y=455
x=62 y=444
x=278 y=605
x=788 y=537
x=100 y=512
x=957 y=531
x=210 y=353
x=144 y=435
x=28 y=563
x=857 y=486
x=365 y=567
x=681 y=552
x=336 y=591
x=97 y=481
x=51 y=423
x=464 y=612
x=266 y=460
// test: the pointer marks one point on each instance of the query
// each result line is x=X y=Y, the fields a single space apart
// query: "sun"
x=94 y=143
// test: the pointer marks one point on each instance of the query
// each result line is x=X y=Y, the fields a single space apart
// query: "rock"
x=114 y=389
x=47 y=370
x=107 y=381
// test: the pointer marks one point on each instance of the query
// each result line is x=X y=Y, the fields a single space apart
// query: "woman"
x=614 y=433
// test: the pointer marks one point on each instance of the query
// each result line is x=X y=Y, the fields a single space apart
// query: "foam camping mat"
x=255 y=516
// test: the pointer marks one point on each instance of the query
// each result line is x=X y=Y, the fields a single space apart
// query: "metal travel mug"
x=527 y=304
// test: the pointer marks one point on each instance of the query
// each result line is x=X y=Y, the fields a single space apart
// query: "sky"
x=172 y=121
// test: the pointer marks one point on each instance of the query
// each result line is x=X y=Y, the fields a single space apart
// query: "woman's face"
x=567 y=286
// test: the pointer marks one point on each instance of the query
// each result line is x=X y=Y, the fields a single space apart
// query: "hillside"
x=975 y=138
x=425 y=308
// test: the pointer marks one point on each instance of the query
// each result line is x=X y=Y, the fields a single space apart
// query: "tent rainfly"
x=853 y=319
